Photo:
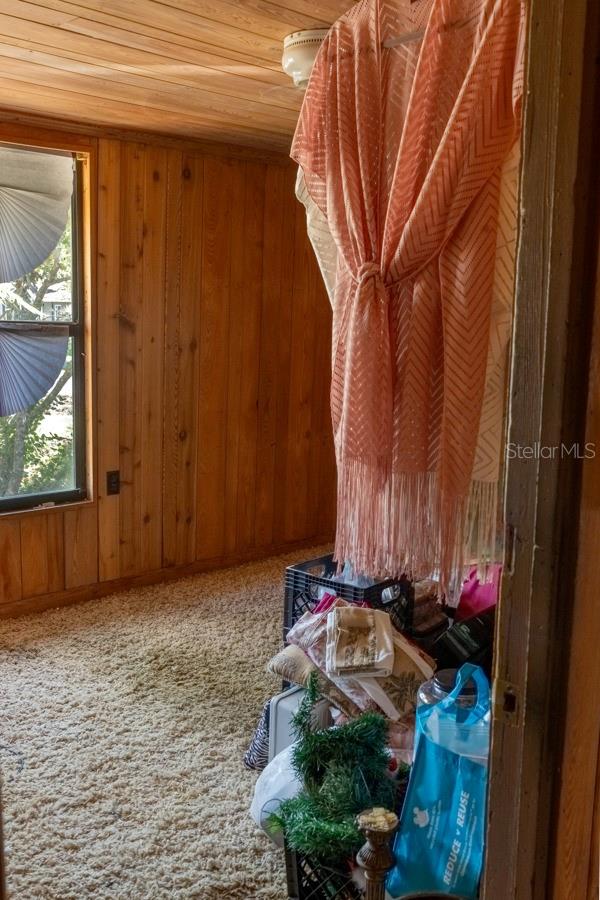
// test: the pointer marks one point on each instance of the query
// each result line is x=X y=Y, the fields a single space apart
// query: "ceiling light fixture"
x=299 y=52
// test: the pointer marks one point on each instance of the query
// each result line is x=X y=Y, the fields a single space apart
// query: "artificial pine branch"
x=302 y=721
x=344 y=771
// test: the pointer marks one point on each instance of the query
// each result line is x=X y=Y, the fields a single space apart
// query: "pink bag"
x=477 y=596
x=328 y=600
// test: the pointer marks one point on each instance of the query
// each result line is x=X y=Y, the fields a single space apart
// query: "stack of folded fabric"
x=359 y=642
x=292 y=664
x=358 y=650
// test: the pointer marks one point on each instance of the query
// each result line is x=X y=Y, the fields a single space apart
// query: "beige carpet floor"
x=123 y=723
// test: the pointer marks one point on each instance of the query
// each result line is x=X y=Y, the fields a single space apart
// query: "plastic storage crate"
x=283 y=707
x=304 y=581
x=311 y=880
x=307 y=880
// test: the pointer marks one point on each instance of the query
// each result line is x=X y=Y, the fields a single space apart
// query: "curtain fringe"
x=393 y=523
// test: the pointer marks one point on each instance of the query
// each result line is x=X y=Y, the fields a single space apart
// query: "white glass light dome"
x=299 y=52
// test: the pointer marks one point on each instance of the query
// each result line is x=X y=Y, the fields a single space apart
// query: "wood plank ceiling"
x=197 y=68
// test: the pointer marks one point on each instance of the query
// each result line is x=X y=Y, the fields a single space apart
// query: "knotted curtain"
x=404 y=141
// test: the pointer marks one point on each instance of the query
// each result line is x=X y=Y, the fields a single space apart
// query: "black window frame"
x=79 y=493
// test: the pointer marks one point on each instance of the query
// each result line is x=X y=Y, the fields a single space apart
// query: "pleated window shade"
x=35 y=197
x=36 y=190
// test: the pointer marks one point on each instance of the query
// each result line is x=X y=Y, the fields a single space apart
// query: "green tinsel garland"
x=344 y=771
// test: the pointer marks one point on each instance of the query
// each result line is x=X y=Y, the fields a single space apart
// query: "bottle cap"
x=445 y=680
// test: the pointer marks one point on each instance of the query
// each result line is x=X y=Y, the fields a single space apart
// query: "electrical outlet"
x=113 y=482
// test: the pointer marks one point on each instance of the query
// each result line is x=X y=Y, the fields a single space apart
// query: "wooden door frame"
x=550 y=350
x=575 y=820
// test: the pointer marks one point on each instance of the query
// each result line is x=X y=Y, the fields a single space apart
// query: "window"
x=42 y=370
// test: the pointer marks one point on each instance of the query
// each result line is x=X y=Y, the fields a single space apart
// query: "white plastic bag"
x=277 y=782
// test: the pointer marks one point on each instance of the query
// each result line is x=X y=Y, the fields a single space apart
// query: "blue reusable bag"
x=440 y=840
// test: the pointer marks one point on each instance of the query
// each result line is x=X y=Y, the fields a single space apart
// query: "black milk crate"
x=302 y=583
x=308 y=880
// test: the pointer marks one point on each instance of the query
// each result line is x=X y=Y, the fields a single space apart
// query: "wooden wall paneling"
x=316 y=413
x=55 y=531
x=284 y=413
x=108 y=353
x=186 y=68
x=34 y=555
x=32 y=97
x=131 y=337
x=572 y=859
x=173 y=434
x=182 y=372
x=248 y=30
x=208 y=345
x=301 y=386
x=322 y=482
x=131 y=59
x=161 y=66
x=182 y=94
x=593 y=888
x=238 y=286
x=81 y=546
x=90 y=34
x=574 y=853
x=326 y=488
x=19 y=125
x=249 y=312
x=254 y=121
x=42 y=554
x=323 y=486
x=107 y=40
x=150 y=456
x=273 y=298
x=267 y=19
x=11 y=588
x=190 y=338
x=48 y=133
x=220 y=202
x=177 y=22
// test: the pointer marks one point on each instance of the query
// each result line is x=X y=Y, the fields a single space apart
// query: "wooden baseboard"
x=59 y=599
